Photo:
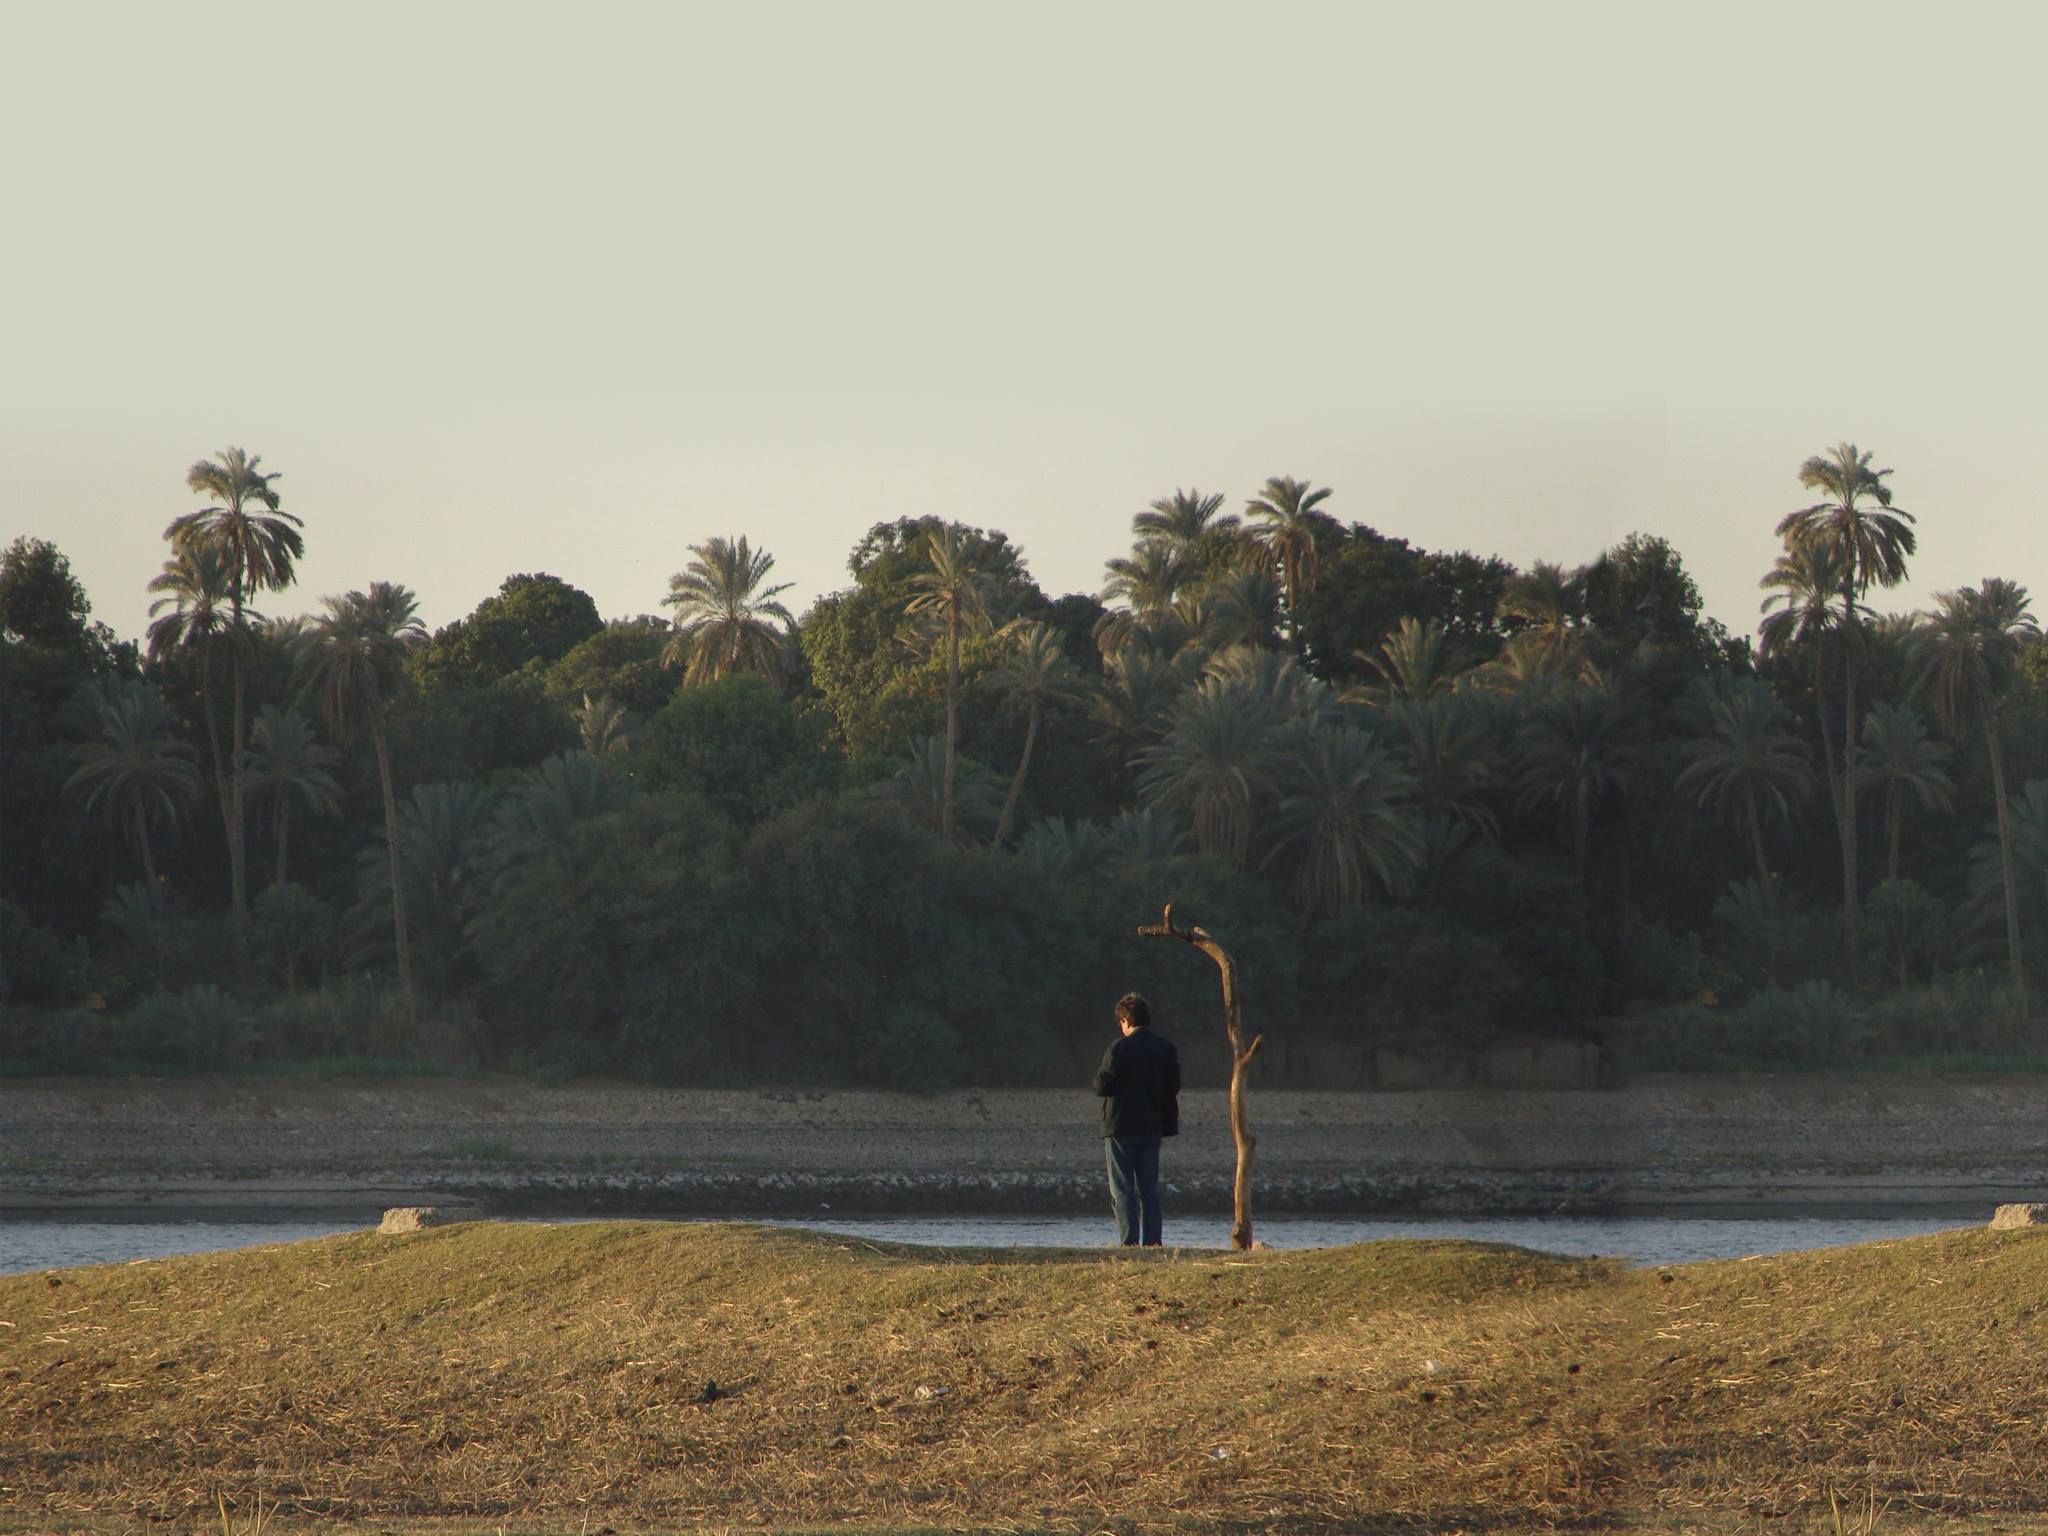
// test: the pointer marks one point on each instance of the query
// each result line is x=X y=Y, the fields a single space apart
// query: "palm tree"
x=135 y=770
x=1214 y=763
x=1746 y=761
x=723 y=612
x=257 y=541
x=1869 y=539
x=1037 y=671
x=1242 y=607
x=953 y=593
x=286 y=760
x=1149 y=581
x=1413 y=662
x=1571 y=751
x=1900 y=757
x=1448 y=747
x=601 y=722
x=920 y=786
x=1550 y=603
x=1182 y=520
x=1346 y=807
x=353 y=656
x=1286 y=509
x=1970 y=644
x=191 y=615
x=1809 y=608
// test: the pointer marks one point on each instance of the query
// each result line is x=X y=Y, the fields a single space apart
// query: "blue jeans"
x=1134 y=1188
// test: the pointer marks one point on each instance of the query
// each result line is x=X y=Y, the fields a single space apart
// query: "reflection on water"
x=34 y=1245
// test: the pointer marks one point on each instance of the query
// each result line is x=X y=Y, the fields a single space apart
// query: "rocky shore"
x=245 y=1149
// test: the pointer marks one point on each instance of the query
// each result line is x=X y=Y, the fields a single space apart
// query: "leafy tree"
x=1745 y=760
x=42 y=604
x=1639 y=593
x=621 y=661
x=135 y=770
x=288 y=762
x=723 y=615
x=1868 y=539
x=1901 y=759
x=531 y=621
x=737 y=742
x=354 y=656
x=257 y=540
x=1970 y=646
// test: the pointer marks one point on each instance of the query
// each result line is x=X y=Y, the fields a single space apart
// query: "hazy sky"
x=507 y=288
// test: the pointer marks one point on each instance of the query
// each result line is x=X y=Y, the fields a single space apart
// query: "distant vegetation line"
x=1435 y=801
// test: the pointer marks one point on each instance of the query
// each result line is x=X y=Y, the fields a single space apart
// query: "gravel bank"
x=1719 y=1145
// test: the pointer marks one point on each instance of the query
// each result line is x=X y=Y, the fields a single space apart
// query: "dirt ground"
x=1719 y=1143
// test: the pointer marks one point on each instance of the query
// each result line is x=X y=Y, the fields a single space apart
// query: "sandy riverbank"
x=244 y=1148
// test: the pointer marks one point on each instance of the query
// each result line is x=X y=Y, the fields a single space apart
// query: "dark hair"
x=1132 y=1009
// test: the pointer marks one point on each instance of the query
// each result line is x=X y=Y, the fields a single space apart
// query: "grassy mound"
x=654 y=1376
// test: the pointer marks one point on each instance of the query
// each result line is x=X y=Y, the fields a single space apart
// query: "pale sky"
x=514 y=288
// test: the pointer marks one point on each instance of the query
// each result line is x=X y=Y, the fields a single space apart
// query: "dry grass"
x=558 y=1379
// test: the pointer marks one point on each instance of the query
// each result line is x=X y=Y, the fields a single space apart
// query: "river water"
x=37 y=1245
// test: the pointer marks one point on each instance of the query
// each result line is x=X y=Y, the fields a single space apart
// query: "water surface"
x=37 y=1245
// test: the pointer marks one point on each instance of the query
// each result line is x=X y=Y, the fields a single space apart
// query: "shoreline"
x=198 y=1149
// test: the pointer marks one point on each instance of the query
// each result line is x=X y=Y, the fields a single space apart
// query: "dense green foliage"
x=1433 y=802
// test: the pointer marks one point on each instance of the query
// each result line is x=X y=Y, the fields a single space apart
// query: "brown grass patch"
x=655 y=1376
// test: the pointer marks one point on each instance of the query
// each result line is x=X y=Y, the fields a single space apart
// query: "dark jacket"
x=1139 y=1085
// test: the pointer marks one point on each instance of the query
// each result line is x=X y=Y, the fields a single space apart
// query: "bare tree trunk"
x=1017 y=780
x=2012 y=895
x=391 y=849
x=1241 y=1055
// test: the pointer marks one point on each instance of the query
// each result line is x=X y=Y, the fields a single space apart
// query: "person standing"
x=1139 y=1085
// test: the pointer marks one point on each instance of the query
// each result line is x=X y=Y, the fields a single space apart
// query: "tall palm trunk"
x=391 y=852
x=1756 y=846
x=220 y=774
x=1017 y=779
x=1893 y=819
x=156 y=895
x=238 y=877
x=952 y=718
x=1850 y=894
x=2012 y=894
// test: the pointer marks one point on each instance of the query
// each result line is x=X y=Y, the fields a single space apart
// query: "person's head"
x=1133 y=1012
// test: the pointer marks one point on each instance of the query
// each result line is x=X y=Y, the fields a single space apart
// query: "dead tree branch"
x=1241 y=1054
